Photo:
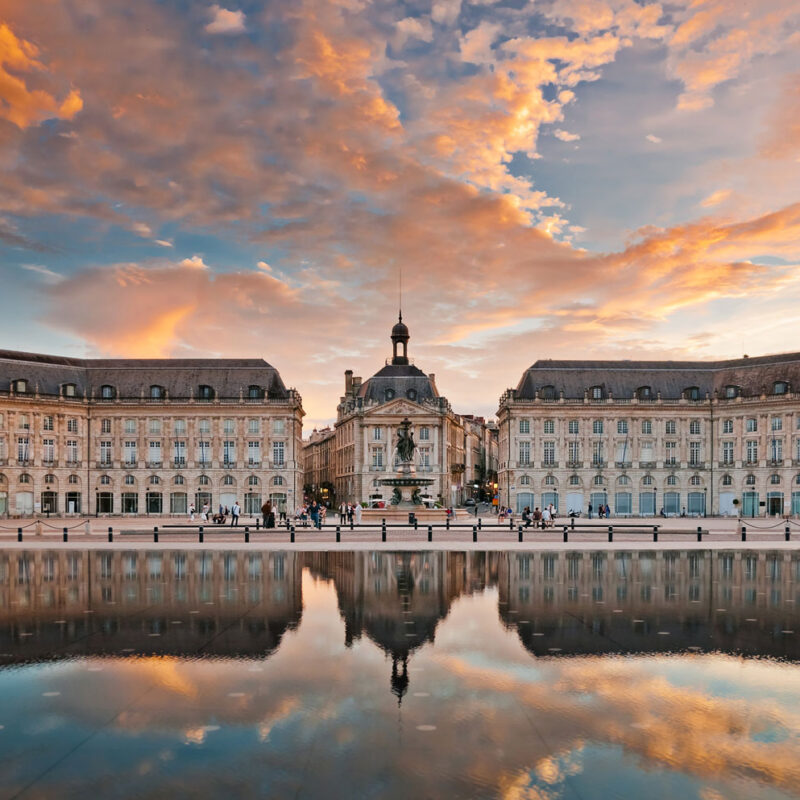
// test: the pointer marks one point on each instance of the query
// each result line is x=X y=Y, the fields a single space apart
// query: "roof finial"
x=400 y=292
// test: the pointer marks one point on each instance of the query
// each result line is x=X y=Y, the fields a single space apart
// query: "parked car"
x=469 y=502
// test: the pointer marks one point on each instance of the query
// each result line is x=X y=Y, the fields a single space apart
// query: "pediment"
x=399 y=407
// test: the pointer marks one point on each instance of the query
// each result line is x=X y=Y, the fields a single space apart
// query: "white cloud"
x=566 y=136
x=651 y=137
x=715 y=198
x=445 y=11
x=476 y=45
x=195 y=262
x=142 y=228
x=412 y=28
x=47 y=274
x=264 y=266
x=164 y=242
x=225 y=21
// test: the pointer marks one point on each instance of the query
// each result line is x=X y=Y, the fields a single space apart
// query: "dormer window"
x=157 y=392
x=596 y=392
x=205 y=392
x=107 y=392
x=644 y=393
x=255 y=392
x=411 y=394
x=388 y=394
x=69 y=390
x=21 y=386
x=692 y=393
x=780 y=387
x=731 y=392
x=547 y=393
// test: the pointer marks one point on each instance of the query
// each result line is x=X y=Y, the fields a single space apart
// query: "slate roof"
x=181 y=377
x=751 y=376
x=399 y=379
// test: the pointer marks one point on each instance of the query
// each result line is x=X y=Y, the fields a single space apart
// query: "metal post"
x=110 y=534
x=519 y=532
x=655 y=534
x=258 y=522
x=200 y=533
x=511 y=524
x=247 y=534
x=19 y=534
x=566 y=533
x=155 y=534
x=474 y=533
x=480 y=527
x=447 y=523
x=65 y=535
x=744 y=533
x=291 y=534
x=787 y=533
x=416 y=522
x=572 y=523
x=430 y=533
x=338 y=533
x=351 y=524
x=383 y=531
x=610 y=533
x=699 y=534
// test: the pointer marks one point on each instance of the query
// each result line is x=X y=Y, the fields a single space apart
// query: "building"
x=717 y=437
x=145 y=436
x=362 y=448
x=317 y=465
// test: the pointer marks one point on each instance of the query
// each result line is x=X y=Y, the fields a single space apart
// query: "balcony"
x=598 y=462
x=574 y=464
x=103 y=463
x=697 y=464
x=647 y=465
x=24 y=462
x=179 y=463
x=252 y=463
x=775 y=462
x=670 y=462
x=622 y=464
x=130 y=462
x=154 y=464
x=377 y=468
x=547 y=464
x=49 y=462
x=726 y=464
x=229 y=464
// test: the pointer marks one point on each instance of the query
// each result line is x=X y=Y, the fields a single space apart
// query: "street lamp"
x=705 y=499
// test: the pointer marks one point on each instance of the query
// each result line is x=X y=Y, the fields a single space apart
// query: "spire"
x=400 y=336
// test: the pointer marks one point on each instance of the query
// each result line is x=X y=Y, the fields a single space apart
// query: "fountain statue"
x=406 y=485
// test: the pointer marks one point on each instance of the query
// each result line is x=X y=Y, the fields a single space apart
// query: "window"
x=727 y=453
x=255 y=393
x=424 y=433
x=130 y=426
x=647 y=480
x=49 y=478
x=776 y=450
x=524 y=454
x=179 y=456
x=731 y=392
x=775 y=478
x=204 y=480
x=644 y=393
x=549 y=480
x=377 y=457
x=204 y=451
x=155 y=427
x=279 y=426
x=776 y=423
x=525 y=480
x=727 y=426
x=130 y=452
x=228 y=480
x=547 y=393
x=672 y=480
x=524 y=426
x=180 y=427
x=156 y=392
x=388 y=394
x=253 y=426
x=24 y=478
x=105 y=480
x=425 y=457
x=750 y=480
x=252 y=480
x=105 y=426
x=47 y=423
x=694 y=453
x=377 y=434
x=694 y=427
x=597 y=453
x=277 y=480
x=727 y=480
x=695 y=480
x=692 y=393
x=598 y=480
x=130 y=480
x=73 y=479
x=107 y=392
x=623 y=480
x=105 y=452
x=780 y=387
x=229 y=451
x=205 y=392
x=596 y=392
x=229 y=427
x=48 y=450
x=670 y=427
x=203 y=426
x=752 y=451
x=22 y=448
x=154 y=480
x=597 y=426
x=72 y=425
x=411 y=394
x=72 y=451
x=574 y=452
x=21 y=386
x=574 y=480
x=154 y=452
x=549 y=426
x=647 y=427
x=549 y=453
x=573 y=426
x=670 y=451
x=253 y=453
x=751 y=425
x=278 y=453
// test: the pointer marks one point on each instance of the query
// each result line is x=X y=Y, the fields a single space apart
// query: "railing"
x=574 y=464
x=24 y=462
x=622 y=464
x=598 y=462
x=49 y=462
x=697 y=464
x=179 y=463
x=546 y=464
x=154 y=464
x=229 y=465
x=103 y=464
x=647 y=464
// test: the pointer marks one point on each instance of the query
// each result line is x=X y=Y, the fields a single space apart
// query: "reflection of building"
x=600 y=602
x=166 y=602
x=136 y=436
x=642 y=436
x=362 y=449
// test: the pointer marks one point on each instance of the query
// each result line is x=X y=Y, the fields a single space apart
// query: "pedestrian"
x=235 y=509
x=222 y=510
x=590 y=510
x=358 y=509
x=546 y=518
x=342 y=512
x=191 y=512
x=313 y=512
x=204 y=513
x=608 y=511
x=265 y=509
x=526 y=516
x=350 y=512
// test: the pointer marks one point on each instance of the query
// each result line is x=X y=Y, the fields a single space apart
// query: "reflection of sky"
x=318 y=719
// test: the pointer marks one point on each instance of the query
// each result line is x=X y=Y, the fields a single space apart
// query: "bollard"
x=19 y=534
x=572 y=525
x=447 y=523
x=480 y=526
x=474 y=533
x=416 y=523
x=155 y=534
x=110 y=534
x=744 y=533
x=655 y=534
x=511 y=524
x=351 y=524
x=338 y=533
x=247 y=533
x=258 y=522
x=291 y=534
x=383 y=531
x=699 y=534
x=519 y=532
x=430 y=533
x=66 y=535
x=566 y=533
x=787 y=533
x=200 y=532
x=610 y=533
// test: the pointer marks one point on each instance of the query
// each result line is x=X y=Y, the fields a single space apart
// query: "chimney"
x=432 y=379
x=348 y=381
x=356 y=384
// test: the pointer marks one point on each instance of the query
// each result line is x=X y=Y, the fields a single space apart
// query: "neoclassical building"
x=145 y=436
x=716 y=437
x=349 y=462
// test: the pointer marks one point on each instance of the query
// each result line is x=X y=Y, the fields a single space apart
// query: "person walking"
x=342 y=512
x=608 y=511
x=235 y=511
x=191 y=512
x=350 y=512
x=358 y=510
x=313 y=512
x=204 y=512
x=266 y=507
x=590 y=510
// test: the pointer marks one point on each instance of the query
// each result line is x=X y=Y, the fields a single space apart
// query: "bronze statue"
x=405 y=441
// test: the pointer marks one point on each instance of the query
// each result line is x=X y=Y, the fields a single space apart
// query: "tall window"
x=130 y=452
x=377 y=457
x=694 y=427
x=229 y=451
x=777 y=423
x=776 y=449
x=574 y=452
x=180 y=427
x=751 y=425
x=425 y=456
x=229 y=427
x=377 y=434
x=105 y=426
x=72 y=450
x=670 y=450
x=524 y=426
x=154 y=455
x=647 y=427
x=670 y=428
x=22 y=448
x=204 y=426
x=573 y=426
x=524 y=454
x=130 y=426
x=752 y=451
x=47 y=423
x=424 y=433
x=48 y=450
x=253 y=453
x=279 y=426
x=204 y=451
x=107 y=392
x=253 y=426
x=180 y=453
x=597 y=453
x=727 y=426
x=597 y=426
x=622 y=426
x=597 y=392
x=105 y=452
x=549 y=426
x=72 y=425
x=278 y=454
x=549 y=453
x=694 y=453
x=727 y=452
x=155 y=427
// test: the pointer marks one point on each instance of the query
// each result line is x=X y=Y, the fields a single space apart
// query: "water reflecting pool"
x=394 y=675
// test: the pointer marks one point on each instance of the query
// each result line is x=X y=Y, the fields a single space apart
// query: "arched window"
x=525 y=480
x=596 y=392
x=549 y=480
x=780 y=387
x=277 y=480
x=73 y=479
x=178 y=480
x=24 y=478
x=205 y=392
x=574 y=480
x=156 y=392
x=69 y=389
x=204 y=480
x=644 y=393
x=797 y=479
x=388 y=394
x=253 y=480
x=598 y=480
x=695 y=480
x=255 y=392
x=20 y=386
x=647 y=480
x=727 y=480
x=731 y=392
x=774 y=478
x=49 y=478
x=692 y=393
x=228 y=480
x=750 y=480
x=623 y=480
x=107 y=392
x=547 y=393
x=105 y=480
x=130 y=480
x=154 y=480
x=672 y=480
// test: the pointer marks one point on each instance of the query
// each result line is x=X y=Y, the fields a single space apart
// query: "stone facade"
x=642 y=436
x=139 y=436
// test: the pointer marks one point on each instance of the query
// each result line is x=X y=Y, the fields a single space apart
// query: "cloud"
x=412 y=28
x=195 y=262
x=48 y=275
x=715 y=198
x=651 y=137
x=565 y=136
x=475 y=46
x=445 y=12
x=225 y=21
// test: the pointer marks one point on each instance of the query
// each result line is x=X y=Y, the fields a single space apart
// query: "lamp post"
x=705 y=499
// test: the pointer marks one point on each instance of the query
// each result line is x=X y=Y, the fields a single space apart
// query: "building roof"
x=670 y=379
x=398 y=380
x=181 y=377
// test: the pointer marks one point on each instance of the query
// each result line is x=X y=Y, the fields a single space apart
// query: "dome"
x=400 y=329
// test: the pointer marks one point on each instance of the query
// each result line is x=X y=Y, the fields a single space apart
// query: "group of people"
x=602 y=511
x=350 y=513
x=539 y=519
x=220 y=516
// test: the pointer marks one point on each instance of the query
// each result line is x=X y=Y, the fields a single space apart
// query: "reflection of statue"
x=405 y=441
x=400 y=679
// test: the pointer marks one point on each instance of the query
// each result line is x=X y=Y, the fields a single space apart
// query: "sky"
x=552 y=179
